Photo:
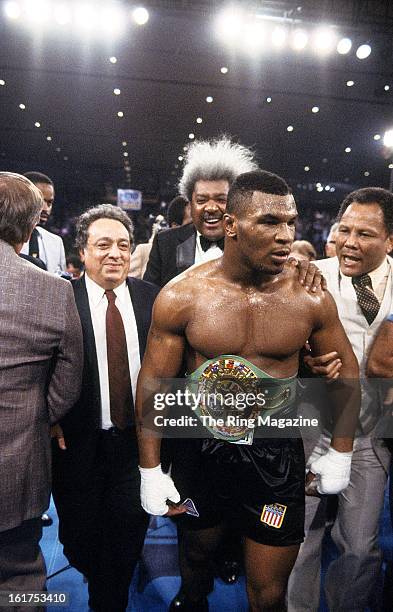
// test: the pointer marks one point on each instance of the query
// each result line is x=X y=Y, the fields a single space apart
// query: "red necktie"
x=120 y=394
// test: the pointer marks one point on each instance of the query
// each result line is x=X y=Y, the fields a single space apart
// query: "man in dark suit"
x=209 y=170
x=40 y=376
x=96 y=479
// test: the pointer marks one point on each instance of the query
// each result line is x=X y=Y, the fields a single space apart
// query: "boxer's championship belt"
x=233 y=395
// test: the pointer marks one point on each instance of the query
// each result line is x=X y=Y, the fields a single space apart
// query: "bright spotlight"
x=112 y=19
x=279 y=36
x=85 y=16
x=300 y=40
x=230 y=24
x=363 y=51
x=315 y=109
x=324 y=41
x=388 y=138
x=37 y=10
x=12 y=10
x=140 y=15
x=344 y=46
x=62 y=14
x=253 y=37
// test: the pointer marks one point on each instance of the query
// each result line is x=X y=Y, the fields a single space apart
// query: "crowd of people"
x=223 y=299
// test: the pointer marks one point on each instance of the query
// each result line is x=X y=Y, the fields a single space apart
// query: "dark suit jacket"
x=173 y=251
x=84 y=419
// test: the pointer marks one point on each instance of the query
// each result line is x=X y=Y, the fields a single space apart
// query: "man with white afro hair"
x=214 y=160
x=210 y=168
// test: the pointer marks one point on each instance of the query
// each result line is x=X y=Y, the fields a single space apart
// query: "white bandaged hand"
x=156 y=488
x=332 y=471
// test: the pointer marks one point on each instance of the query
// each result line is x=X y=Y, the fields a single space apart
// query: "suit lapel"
x=82 y=302
x=185 y=253
x=139 y=306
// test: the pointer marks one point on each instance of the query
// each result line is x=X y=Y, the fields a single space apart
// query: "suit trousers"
x=101 y=523
x=351 y=578
x=22 y=565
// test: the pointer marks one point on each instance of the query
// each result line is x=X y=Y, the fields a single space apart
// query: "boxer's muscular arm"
x=344 y=393
x=163 y=359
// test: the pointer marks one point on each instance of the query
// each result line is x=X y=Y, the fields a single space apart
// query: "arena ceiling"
x=165 y=70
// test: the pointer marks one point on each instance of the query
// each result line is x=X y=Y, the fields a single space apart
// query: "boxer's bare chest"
x=267 y=328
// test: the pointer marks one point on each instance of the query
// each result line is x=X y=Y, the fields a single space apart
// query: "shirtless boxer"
x=246 y=308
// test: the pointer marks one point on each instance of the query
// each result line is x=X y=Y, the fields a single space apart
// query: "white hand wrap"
x=156 y=488
x=333 y=471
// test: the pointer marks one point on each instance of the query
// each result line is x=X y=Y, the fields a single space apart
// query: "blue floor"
x=157 y=579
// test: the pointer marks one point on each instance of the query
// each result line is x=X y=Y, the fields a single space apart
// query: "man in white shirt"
x=44 y=244
x=360 y=279
x=96 y=477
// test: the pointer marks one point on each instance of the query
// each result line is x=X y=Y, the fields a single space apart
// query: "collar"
x=377 y=276
x=96 y=293
x=214 y=243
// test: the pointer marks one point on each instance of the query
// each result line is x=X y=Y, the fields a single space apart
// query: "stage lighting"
x=113 y=59
x=224 y=70
x=229 y=25
x=377 y=136
x=324 y=41
x=62 y=14
x=85 y=16
x=279 y=36
x=49 y=138
x=180 y=158
x=22 y=106
x=117 y=91
x=300 y=40
x=348 y=149
x=12 y=10
x=388 y=138
x=363 y=51
x=315 y=109
x=366 y=173
x=199 y=119
x=37 y=124
x=344 y=46
x=209 y=99
x=2 y=82
x=350 y=83
x=306 y=168
x=253 y=37
x=140 y=15
x=386 y=88
x=37 y=10
x=112 y=19
x=390 y=166
x=290 y=128
x=268 y=99
x=120 y=114
x=191 y=136
x=124 y=143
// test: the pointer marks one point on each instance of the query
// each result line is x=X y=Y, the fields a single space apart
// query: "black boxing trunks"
x=256 y=489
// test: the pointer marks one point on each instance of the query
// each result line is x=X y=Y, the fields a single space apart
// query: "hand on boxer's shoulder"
x=309 y=274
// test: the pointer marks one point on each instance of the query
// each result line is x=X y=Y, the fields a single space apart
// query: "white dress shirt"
x=212 y=252
x=379 y=278
x=98 y=304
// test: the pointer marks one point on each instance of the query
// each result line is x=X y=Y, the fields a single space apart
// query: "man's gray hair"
x=20 y=206
x=103 y=211
x=214 y=160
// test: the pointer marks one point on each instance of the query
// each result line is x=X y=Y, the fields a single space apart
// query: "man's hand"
x=328 y=365
x=156 y=489
x=309 y=275
x=57 y=432
x=329 y=474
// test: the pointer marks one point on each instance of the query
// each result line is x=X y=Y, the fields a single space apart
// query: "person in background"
x=330 y=246
x=74 y=266
x=179 y=212
x=41 y=362
x=44 y=244
x=303 y=250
